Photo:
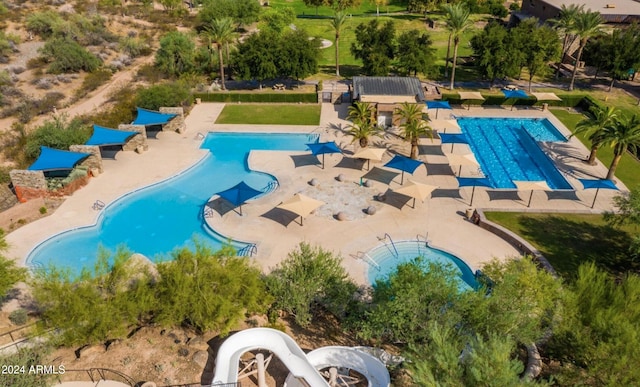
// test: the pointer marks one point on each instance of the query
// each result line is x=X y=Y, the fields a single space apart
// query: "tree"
x=341 y=5
x=277 y=19
x=628 y=212
x=361 y=131
x=310 y=276
x=9 y=273
x=298 y=54
x=457 y=21
x=257 y=56
x=415 y=53
x=220 y=32
x=622 y=134
x=163 y=94
x=565 y=24
x=242 y=12
x=413 y=125
x=375 y=46
x=361 y=112
x=315 y=3
x=539 y=44
x=337 y=23
x=594 y=126
x=587 y=25
x=379 y=3
x=492 y=49
x=67 y=56
x=176 y=54
x=58 y=132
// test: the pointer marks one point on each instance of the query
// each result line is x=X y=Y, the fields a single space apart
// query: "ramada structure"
x=612 y=11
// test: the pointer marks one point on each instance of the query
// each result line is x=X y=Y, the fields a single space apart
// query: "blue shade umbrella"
x=322 y=148
x=514 y=94
x=454 y=138
x=403 y=164
x=239 y=194
x=597 y=184
x=474 y=182
x=152 y=117
x=55 y=159
x=438 y=105
x=105 y=136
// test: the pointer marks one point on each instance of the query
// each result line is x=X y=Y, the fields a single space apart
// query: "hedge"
x=258 y=97
x=567 y=100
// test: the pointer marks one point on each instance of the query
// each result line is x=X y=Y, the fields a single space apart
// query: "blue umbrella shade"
x=454 y=138
x=322 y=148
x=151 y=117
x=474 y=182
x=597 y=184
x=438 y=105
x=55 y=159
x=107 y=136
x=239 y=194
x=403 y=164
x=515 y=94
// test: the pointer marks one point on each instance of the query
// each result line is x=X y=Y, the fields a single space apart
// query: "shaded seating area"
x=469 y=96
x=239 y=194
x=323 y=148
x=52 y=160
x=438 y=105
x=403 y=164
x=109 y=140
x=167 y=119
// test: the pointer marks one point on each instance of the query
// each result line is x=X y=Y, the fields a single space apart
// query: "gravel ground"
x=28 y=50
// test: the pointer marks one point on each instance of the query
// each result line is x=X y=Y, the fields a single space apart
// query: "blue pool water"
x=386 y=260
x=507 y=149
x=160 y=218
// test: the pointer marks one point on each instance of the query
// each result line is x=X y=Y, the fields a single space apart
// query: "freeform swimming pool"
x=385 y=258
x=155 y=220
x=507 y=149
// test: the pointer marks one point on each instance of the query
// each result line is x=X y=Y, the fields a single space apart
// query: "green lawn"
x=268 y=114
x=567 y=240
x=629 y=168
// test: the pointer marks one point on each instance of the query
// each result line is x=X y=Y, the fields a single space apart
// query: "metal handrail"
x=425 y=237
x=248 y=250
x=15 y=341
x=386 y=235
x=362 y=255
x=102 y=375
x=272 y=186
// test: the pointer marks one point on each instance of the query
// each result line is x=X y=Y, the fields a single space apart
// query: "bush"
x=43 y=23
x=67 y=56
x=307 y=277
x=19 y=317
x=165 y=94
x=10 y=274
x=134 y=46
x=258 y=97
x=56 y=133
x=27 y=357
x=122 y=111
x=567 y=100
x=92 y=81
x=43 y=210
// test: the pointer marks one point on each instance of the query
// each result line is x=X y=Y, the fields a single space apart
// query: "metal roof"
x=404 y=86
x=611 y=10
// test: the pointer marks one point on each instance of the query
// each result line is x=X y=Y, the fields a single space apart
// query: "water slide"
x=300 y=365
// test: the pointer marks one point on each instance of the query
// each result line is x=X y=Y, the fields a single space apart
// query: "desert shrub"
x=310 y=276
x=43 y=83
x=122 y=111
x=10 y=274
x=19 y=317
x=176 y=54
x=27 y=357
x=164 y=94
x=64 y=55
x=149 y=73
x=5 y=78
x=57 y=133
x=4 y=175
x=209 y=290
x=92 y=81
x=36 y=63
x=43 y=23
x=43 y=210
x=134 y=46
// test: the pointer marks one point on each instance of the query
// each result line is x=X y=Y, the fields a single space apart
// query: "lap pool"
x=155 y=220
x=507 y=150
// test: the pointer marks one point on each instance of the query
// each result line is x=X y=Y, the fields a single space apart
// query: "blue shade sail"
x=320 y=148
x=454 y=138
x=474 y=182
x=55 y=159
x=107 y=136
x=239 y=193
x=150 y=117
x=598 y=183
x=403 y=164
x=515 y=94
x=438 y=105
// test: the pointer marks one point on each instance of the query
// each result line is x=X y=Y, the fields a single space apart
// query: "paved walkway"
x=440 y=217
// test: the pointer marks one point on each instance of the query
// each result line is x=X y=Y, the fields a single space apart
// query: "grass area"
x=628 y=170
x=567 y=240
x=268 y=114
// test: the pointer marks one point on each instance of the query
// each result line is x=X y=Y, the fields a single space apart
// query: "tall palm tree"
x=361 y=131
x=565 y=23
x=622 y=135
x=361 y=112
x=586 y=26
x=457 y=20
x=221 y=33
x=413 y=125
x=338 y=21
x=594 y=126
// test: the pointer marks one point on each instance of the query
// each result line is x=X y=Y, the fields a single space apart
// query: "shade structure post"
x=452 y=144
x=414 y=203
x=240 y=210
x=402 y=178
x=473 y=191
x=323 y=161
x=368 y=162
x=595 y=197
x=460 y=170
x=530 y=197
x=437 y=113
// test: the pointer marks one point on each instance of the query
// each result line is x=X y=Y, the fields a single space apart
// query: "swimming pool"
x=384 y=259
x=155 y=220
x=507 y=149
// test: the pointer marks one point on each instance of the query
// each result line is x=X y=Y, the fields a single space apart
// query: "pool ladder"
x=248 y=251
x=366 y=257
x=422 y=239
x=384 y=238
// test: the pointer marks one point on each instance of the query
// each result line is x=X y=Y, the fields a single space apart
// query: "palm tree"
x=622 y=135
x=338 y=21
x=361 y=112
x=362 y=130
x=594 y=126
x=220 y=32
x=586 y=25
x=413 y=125
x=566 y=24
x=457 y=21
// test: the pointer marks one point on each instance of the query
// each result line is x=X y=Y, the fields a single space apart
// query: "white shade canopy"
x=539 y=185
x=465 y=159
x=465 y=95
x=301 y=205
x=416 y=190
x=445 y=125
x=370 y=153
x=546 y=97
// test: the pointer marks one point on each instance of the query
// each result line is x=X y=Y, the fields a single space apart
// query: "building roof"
x=613 y=11
x=387 y=86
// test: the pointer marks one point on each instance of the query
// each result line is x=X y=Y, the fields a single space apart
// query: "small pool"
x=384 y=259
x=507 y=149
x=155 y=220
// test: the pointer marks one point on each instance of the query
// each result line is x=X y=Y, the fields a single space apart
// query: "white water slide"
x=300 y=365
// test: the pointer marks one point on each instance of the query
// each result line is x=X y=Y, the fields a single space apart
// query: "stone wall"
x=177 y=123
x=93 y=162
x=7 y=198
x=137 y=142
x=28 y=184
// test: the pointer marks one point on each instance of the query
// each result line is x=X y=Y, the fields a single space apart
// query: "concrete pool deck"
x=440 y=218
